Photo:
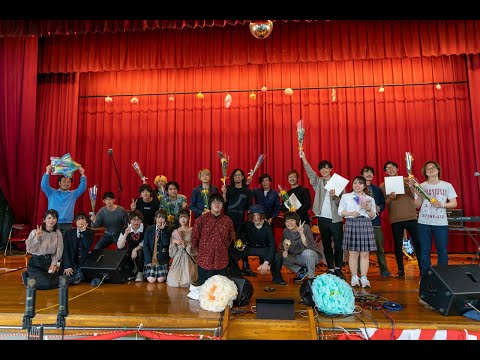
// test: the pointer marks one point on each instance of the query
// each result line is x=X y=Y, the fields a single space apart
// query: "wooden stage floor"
x=167 y=310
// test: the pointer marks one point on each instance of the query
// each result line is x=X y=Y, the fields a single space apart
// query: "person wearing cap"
x=160 y=183
x=113 y=217
x=258 y=240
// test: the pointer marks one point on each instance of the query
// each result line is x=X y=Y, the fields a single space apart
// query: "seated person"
x=258 y=240
x=300 y=251
x=76 y=246
x=132 y=239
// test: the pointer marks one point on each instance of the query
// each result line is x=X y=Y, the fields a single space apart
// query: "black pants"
x=329 y=231
x=204 y=274
x=234 y=255
x=397 y=233
x=37 y=269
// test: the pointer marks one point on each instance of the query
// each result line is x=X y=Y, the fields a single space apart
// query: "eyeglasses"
x=430 y=168
x=238 y=175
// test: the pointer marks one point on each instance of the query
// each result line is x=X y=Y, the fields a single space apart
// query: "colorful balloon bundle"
x=224 y=160
x=92 y=192
x=64 y=165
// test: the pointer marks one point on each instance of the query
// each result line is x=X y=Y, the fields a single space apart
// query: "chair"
x=18 y=234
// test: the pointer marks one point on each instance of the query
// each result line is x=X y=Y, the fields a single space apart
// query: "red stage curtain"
x=178 y=138
x=290 y=42
x=18 y=140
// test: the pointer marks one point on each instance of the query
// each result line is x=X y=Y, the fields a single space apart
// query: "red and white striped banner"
x=415 y=334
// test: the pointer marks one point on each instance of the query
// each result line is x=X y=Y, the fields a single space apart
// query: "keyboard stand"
x=470 y=232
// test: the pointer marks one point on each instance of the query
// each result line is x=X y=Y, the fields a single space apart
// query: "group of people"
x=235 y=222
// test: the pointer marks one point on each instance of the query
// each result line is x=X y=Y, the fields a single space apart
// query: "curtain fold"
x=18 y=140
x=290 y=42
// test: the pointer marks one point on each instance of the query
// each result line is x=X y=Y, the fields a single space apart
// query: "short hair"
x=388 y=163
x=293 y=171
x=437 y=165
x=360 y=179
x=214 y=197
x=161 y=213
x=325 y=163
x=145 y=187
x=264 y=176
x=367 y=168
x=60 y=177
x=135 y=213
x=204 y=171
x=54 y=213
x=80 y=215
x=174 y=183
x=184 y=212
x=108 y=194
x=291 y=215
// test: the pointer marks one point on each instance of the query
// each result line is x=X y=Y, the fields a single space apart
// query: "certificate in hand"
x=338 y=183
x=394 y=184
x=294 y=201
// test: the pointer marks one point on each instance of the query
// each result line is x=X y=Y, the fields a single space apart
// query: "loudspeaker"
x=245 y=290
x=306 y=292
x=450 y=288
x=279 y=309
x=116 y=265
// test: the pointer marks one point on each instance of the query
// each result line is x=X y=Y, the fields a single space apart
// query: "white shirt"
x=351 y=202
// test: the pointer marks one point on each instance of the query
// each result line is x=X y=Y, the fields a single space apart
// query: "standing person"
x=45 y=243
x=325 y=208
x=267 y=197
x=132 y=238
x=375 y=192
x=432 y=218
x=76 y=246
x=212 y=235
x=63 y=199
x=298 y=247
x=402 y=215
x=257 y=236
x=358 y=238
x=238 y=199
x=146 y=203
x=200 y=194
x=160 y=186
x=302 y=194
x=173 y=203
x=156 y=242
x=183 y=271
x=113 y=217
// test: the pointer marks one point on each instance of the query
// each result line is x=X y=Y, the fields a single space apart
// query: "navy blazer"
x=379 y=201
x=70 y=245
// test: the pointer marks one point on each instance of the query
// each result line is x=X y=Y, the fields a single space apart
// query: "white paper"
x=294 y=201
x=338 y=183
x=394 y=184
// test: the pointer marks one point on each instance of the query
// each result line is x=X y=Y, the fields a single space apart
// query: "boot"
x=246 y=271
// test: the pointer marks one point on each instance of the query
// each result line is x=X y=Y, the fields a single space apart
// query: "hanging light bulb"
x=134 y=100
x=171 y=98
x=200 y=95
x=288 y=91
x=108 y=99
x=261 y=29
x=333 y=95
x=438 y=86
x=381 y=89
x=252 y=96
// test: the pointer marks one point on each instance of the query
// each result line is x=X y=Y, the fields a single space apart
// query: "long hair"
x=54 y=214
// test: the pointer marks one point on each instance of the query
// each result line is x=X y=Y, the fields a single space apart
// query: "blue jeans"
x=440 y=235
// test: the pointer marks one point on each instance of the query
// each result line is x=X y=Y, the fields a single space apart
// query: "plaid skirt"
x=156 y=271
x=358 y=235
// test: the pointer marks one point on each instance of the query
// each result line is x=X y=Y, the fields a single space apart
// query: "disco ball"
x=261 y=29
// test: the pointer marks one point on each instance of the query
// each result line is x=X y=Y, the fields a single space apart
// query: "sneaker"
x=300 y=277
x=385 y=273
x=354 y=281
x=338 y=272
x=280 y=282
x=139 y=277
x=95 y=282
x=365 y=282
x=331 y=272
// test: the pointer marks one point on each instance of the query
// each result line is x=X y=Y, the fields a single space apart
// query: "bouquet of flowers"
x=416 y=185
x=166 y=205
x=205 y=198
x=285 y=199
x=255 y=168
x=217 y=293
x=300 y=134
x=92 y=192
x=224 y=161
x=136 y=167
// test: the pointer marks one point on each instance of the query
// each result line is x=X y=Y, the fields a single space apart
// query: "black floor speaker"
x=450 y=288
x=115 y=265
x=245 y=290
x=306 y=292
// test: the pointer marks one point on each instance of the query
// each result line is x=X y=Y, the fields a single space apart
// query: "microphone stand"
x=120 y=189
